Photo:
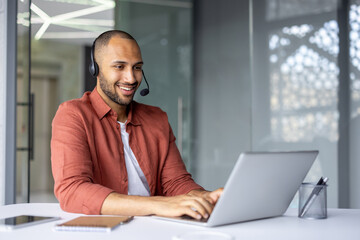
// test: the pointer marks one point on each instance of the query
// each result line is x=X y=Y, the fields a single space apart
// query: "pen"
x=313 y=196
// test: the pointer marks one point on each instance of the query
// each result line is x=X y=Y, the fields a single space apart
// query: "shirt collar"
x=101 y=108
x=132 y=118
x=99 y=105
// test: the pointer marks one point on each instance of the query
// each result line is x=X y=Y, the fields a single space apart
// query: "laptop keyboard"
x=186 y=217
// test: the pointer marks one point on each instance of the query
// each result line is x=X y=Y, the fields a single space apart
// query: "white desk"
x=343 y=224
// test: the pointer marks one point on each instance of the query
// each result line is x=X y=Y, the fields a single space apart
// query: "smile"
x=127 y=88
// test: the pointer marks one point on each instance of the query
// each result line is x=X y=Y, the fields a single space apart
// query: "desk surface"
x=340 y=224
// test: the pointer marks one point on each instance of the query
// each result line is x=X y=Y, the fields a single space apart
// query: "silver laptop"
x=261 y=185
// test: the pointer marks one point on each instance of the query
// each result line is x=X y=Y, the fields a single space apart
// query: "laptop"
x=261 y=185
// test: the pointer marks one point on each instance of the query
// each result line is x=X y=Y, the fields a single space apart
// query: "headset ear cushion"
x=93 y=69
x=96 y=69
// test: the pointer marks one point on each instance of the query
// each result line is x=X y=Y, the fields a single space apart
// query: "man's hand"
x=193 y=206
x=212 y=197
x=197 y=204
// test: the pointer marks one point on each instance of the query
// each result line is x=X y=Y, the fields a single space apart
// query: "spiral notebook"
x=93 y=223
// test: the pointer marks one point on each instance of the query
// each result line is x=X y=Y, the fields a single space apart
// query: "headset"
x=94 y=71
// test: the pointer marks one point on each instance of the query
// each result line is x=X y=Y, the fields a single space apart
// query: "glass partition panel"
x=60 y=31
x=354 y=122
x=296 y=81
x=270 y=76
x=163 y=30
x=23 y=139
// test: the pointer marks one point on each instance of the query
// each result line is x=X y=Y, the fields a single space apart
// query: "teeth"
x=125 y=88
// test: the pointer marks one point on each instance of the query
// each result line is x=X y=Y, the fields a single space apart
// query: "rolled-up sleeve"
x=72 y=165
x=175 y=178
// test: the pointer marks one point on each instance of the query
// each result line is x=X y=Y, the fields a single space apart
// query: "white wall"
x=222 y=99
x=2 y=98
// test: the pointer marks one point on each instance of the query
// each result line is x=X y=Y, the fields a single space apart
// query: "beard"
x=107 y=89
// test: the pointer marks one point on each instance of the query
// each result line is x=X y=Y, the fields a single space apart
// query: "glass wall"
x=296 y=46
x=163 y=30
x=233 y=76
x=4 y=51
x=354 y=119
x=24 y=104
x=269 y=75
x=61 y=31
x=294 y=95
x=222 y=89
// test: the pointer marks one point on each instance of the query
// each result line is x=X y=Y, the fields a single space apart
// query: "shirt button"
x=117 y=126
x=125 y=179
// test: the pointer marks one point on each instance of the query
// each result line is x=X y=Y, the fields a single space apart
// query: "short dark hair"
x=103 y=39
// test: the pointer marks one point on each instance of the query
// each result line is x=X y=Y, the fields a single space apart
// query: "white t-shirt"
x=137 y=183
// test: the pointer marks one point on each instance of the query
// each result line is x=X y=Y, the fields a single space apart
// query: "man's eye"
x=138 y=67
x=119 y=66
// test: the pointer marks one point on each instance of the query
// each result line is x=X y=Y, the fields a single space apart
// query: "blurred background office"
x=233 y=76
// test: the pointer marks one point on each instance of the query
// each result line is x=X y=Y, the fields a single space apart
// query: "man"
x=112 y=155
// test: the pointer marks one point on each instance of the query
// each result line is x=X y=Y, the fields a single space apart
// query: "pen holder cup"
x=312 y=201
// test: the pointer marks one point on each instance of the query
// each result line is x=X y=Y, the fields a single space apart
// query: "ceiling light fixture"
x=167 y=3
x=69 y=35
x=69 y=19
x=46 y=18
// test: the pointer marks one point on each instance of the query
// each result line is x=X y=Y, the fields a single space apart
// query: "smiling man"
x=112 y=155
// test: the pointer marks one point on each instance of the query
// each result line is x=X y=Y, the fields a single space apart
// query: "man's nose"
x=129 y=76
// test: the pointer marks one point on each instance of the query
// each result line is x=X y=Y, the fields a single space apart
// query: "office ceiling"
x=80 y=21
x=76 y=21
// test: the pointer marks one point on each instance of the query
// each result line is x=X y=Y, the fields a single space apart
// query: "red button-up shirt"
x=87 y=153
